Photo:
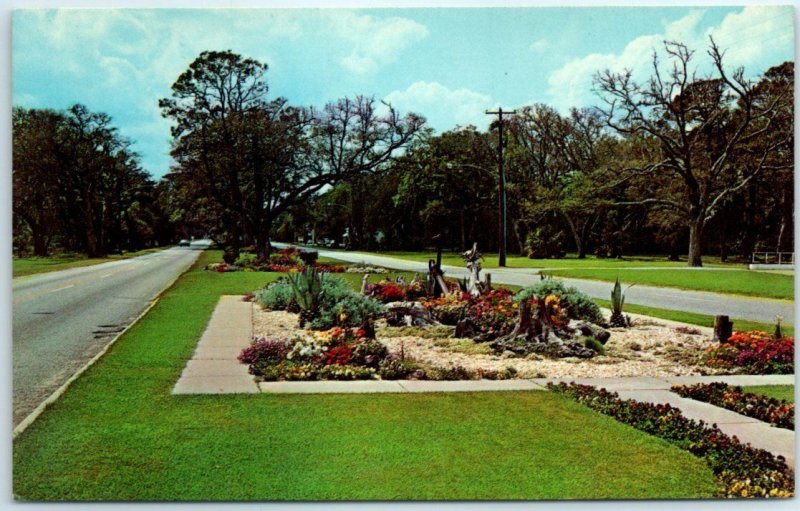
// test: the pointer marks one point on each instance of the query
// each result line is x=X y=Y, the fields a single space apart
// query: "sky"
x=449 y=65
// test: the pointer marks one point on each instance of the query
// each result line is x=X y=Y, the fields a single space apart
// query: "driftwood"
x=408 y=314
x=473 y=259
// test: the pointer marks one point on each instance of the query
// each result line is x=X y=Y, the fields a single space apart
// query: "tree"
x=701 y=127
x=77 y=182
x=251 y=159
x=353 y=139
x=558 y=159
x=427 y=189
x=35 y=199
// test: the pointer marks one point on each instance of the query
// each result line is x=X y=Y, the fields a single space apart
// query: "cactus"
x=617 y=302
x=307 y=290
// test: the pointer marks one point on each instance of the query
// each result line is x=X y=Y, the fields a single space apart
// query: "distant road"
x=700 y=302
x=62 y=319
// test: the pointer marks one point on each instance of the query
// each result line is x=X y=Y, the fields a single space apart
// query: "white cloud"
x=375 y=42
x=749 y=37
x=443 y=107
x=25 y=100
x=539 y=46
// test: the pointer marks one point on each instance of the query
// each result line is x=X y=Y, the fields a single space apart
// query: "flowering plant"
x=756 y=352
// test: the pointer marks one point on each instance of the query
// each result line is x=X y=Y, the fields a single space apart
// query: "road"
x=743 y=307
x=62 y=319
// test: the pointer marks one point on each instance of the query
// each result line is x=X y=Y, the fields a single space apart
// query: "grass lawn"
x=739 y=325
x=571 y=261
x=785 y=392
x=31 y=265
x=118 y=434
x=745 y=282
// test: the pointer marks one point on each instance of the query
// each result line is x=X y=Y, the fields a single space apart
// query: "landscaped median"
x=119 y=434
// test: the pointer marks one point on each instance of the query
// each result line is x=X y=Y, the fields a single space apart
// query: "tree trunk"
x=39 y=243
x=696 y=241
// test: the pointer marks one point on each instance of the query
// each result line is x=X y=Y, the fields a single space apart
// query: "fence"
x=773 y=257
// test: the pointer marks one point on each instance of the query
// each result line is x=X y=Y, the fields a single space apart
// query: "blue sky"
x=446 y=64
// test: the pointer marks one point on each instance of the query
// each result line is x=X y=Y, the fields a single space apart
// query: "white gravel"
x=646 y=349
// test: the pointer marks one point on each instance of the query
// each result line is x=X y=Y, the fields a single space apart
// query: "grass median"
x=118 y=434
x=22 y=266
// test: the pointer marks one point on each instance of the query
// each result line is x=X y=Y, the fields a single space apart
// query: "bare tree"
x=701 y=126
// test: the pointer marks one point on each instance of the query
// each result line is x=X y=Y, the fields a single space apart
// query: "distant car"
x=184 y=243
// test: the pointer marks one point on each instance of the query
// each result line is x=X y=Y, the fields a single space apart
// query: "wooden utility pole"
x=502 y=227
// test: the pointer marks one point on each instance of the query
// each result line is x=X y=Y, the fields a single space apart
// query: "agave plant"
x=307 y=290
x=617 y=301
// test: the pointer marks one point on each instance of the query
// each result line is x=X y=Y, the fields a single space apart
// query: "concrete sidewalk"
x=213 y=368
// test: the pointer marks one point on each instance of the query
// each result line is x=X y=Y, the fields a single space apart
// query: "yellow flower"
x=516 y=305
x=342 y=317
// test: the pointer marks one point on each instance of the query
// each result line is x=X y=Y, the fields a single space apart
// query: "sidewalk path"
x=213 y=368
x=700 y=302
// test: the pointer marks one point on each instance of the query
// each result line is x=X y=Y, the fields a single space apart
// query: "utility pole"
x=502 y=227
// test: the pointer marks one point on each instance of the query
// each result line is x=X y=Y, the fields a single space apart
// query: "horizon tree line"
x=676 y=164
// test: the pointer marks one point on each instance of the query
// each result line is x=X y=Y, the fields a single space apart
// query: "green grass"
x=571 y=261
x=32 y=265
x=118 y=434
x=745 y=282
x=739 y=325
x=785 y=392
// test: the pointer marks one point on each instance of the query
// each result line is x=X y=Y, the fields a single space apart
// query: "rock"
x=634 y=346
x=591 y=330
x=508 y=354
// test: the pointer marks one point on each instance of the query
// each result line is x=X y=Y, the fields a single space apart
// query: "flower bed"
x=754 y=352
x=777 y=412
x=740 y=470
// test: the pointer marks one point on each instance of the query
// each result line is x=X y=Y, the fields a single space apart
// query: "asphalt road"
x=743 y=307
x=62 y=319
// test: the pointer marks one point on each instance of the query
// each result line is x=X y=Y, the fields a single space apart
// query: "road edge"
x=52 y=398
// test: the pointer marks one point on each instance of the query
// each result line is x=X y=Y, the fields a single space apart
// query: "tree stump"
x=723 y=328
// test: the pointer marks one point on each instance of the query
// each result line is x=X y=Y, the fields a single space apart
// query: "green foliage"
x=577 y=304
x=342 y=307
x=545 y=243
x=307 y=288
x=467 y=346
x=277 y=296
x=617 y=301
x=594 y=344
x=426 y=332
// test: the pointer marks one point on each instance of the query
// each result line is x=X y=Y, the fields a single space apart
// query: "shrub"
x=754 y=352
x=576 y=304
x=276 y=296
x=342 y=307
x=741 y=470
x=593 y=344
x=777 y=412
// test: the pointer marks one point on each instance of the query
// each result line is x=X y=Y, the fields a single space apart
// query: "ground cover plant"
x=753 y=352
x=118 y=434
x=741 y=470
x=777 y=412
